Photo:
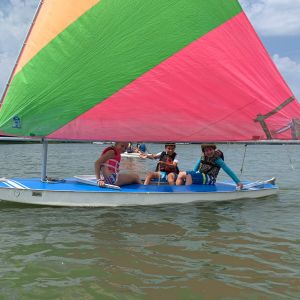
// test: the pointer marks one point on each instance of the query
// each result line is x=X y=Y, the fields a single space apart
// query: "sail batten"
x=188 y=71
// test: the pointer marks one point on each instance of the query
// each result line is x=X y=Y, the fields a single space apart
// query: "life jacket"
x=113 y=164
x=142 y=148
x=209 y=167
x=168 y=159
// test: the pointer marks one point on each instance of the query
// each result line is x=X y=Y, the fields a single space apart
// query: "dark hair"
x=170 y=144
x=204 y=146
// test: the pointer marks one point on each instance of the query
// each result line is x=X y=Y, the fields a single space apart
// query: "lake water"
x=248 y=249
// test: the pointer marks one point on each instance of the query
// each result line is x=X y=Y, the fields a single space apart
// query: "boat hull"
x=131 y=155
x=73 y=193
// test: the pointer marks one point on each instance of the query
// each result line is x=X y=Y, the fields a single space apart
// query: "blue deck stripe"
x=72 y=185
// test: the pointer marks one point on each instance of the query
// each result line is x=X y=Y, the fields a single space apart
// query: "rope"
x=290 y=160
x=158 y=182
x=242 y=166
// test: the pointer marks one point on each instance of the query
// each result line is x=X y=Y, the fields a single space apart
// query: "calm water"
x=249 y=249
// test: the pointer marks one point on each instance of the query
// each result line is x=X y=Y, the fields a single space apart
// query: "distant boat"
x=98 y=143
x=154 y=71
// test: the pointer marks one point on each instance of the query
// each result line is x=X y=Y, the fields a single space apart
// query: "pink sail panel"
x=211 y=90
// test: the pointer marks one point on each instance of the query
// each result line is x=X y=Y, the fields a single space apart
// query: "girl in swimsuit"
x=107 y=167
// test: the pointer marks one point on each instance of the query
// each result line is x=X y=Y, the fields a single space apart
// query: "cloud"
x=278 y=19
x=274 y=17
x=290 y=70
x=6 y=64
x=15 y=19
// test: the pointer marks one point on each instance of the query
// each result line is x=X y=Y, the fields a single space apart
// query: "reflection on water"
x=248 y=249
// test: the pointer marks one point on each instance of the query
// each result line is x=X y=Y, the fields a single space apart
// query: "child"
x=130 y=148
x=107 y=167
x=207 y=168
x=141 y=148
x=166 y=169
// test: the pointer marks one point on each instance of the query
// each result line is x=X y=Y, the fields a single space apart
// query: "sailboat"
x=134 y=70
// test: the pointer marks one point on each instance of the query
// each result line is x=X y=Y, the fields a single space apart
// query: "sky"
x=277 y=22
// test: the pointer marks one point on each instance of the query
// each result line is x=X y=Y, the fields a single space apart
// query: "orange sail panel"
x=53 y=18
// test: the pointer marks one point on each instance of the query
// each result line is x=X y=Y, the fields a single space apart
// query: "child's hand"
x=101 y=183
x=240 y=185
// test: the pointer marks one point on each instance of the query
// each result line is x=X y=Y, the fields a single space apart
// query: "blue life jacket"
x=143 y=147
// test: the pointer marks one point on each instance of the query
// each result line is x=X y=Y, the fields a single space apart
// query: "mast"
x=44 y=160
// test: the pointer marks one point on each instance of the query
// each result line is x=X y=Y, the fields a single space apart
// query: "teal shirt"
x=220 y=162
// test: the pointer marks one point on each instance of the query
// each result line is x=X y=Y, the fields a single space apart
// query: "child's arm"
x=220 y=162
x=151 y=156
x=170 y=164
x=197 y=166
x=100 y=161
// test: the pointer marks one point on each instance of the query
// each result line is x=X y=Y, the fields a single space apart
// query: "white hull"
x=94 y=199
x=131 y=155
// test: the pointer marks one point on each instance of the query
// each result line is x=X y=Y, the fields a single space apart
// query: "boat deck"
x=71 y=184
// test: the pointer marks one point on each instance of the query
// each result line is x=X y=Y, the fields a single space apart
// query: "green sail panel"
x=107 y=48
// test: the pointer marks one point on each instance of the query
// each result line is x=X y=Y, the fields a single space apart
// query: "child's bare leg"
x=127 y=179
x=181 y=177
x=150 y=176
x=171 y=178
x=188 y=180
x=147 y=179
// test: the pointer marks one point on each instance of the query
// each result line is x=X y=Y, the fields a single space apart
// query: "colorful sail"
x=113 y=70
